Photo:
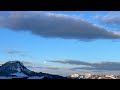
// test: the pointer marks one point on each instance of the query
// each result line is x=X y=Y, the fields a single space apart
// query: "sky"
x=57 y=40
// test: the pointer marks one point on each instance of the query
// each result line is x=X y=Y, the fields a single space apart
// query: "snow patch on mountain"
x=18 y=68
x=19 y=74
x=36 y=77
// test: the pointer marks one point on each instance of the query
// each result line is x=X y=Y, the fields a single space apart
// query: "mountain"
x=14 y=68
x=18 y=70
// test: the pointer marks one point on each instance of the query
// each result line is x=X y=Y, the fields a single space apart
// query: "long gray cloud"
x=85 y=68
x=55 y=26
x=75 y=62
x=92 y=66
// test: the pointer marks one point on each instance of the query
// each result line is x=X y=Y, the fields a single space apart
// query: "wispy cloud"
x=53 y=25
x=91 y=66
x=27 y=62
x=51 y=68
x=39 y=67
x=10 y=51
x=19 y=53
x=109 y=19
x=25 y=55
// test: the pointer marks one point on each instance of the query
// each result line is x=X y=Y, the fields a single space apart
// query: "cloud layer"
x=90 y=66
x=52 y=25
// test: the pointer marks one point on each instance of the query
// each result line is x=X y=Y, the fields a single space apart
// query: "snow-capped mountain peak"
x=19 y=74
x=18 y=70
x=11 y=67
x=14 y=65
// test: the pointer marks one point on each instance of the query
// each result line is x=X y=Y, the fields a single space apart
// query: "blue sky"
x=38 y=48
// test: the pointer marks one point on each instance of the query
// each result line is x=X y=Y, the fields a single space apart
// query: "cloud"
x=27 y=62
x=25 y=55
x=43 y=68
x=75 y=62
x=51 y=68
x=85 y=68
x=30 y=64
x=17 y=52
x=109 y=19
x=12 y=51
x=91 y=66
x=52 y=25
